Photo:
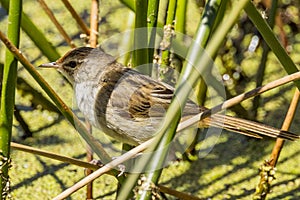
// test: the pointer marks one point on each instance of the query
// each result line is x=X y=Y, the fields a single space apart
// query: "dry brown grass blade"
x=285 y=126
x=94 y=18
x=267 y=170
x=54 y=156
x=56 y=23
x=78 y=19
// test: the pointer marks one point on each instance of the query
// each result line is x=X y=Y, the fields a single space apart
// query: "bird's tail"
x=246 y=127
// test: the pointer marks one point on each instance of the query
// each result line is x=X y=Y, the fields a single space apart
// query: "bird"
x=130 y=106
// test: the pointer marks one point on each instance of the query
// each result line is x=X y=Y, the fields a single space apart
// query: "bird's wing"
x=151 y=99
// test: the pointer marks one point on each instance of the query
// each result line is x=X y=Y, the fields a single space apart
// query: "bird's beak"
x=50 y=65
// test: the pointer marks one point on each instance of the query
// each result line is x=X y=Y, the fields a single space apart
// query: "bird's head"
x=82 y=60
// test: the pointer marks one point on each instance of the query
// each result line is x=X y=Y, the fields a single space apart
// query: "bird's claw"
x=122 y=169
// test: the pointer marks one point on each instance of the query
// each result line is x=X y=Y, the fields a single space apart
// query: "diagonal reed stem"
x=56 y=23
x=266 y=175
x=51 y=155
x=78 y=19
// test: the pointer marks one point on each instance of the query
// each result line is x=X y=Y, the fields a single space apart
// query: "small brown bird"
x=130 y=106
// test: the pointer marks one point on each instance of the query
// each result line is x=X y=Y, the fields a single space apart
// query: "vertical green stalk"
x=180 y=22
x=190 y=74
x=152 y=12
x=152 y=23
x=140 y=54
x=180 y=16
x=171 y=12
x=213 y=12
x=8 y=95
x=127 y=46
x=167 y=39
x=211 y=16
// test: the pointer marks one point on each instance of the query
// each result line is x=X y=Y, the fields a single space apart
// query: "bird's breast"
x=85 y=94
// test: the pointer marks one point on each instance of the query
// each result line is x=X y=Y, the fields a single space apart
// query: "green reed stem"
x=8 y=96
x=140 y=54
x=152 y=23
x=180 y=16
x=167 y=39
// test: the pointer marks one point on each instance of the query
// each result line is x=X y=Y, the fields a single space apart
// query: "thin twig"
x=78 y=19
x=54 y=156
x=93 y=43
x=56 y=23
x=89 y=156
x=7 y=99
x=285 y=126
x=94 y=23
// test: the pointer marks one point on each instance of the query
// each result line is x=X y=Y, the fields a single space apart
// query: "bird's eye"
x=72 y=64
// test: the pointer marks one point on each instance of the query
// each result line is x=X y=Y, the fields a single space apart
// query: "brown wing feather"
x=153 y=99
x=150 y=99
